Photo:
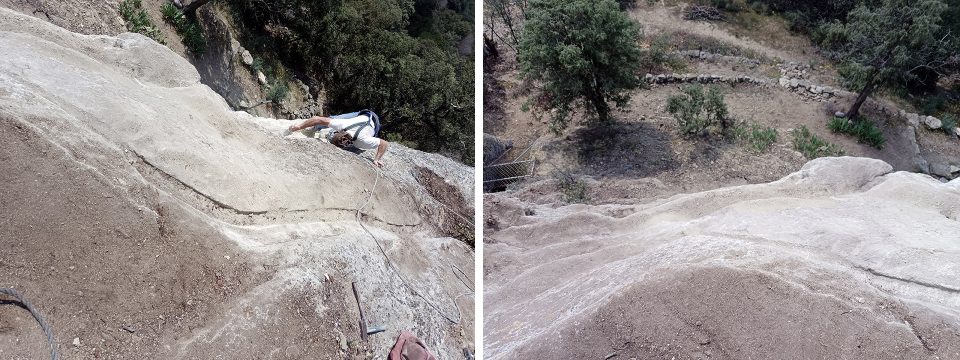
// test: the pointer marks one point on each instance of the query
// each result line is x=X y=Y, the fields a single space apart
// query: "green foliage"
x=696 y=112
x=278 y=91
x=729 y=5
x=879 y=46
x=574 y=190
x=257 y=65
x=396 y=57
x=812 y=146
x=949 y=123
x=188 y=29
x=805 y=16
x=862 y=129
x=583 y=52
x=137 y=19
x=933 y=104
x=757 y=138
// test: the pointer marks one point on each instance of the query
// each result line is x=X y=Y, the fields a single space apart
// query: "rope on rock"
x=394 y=267
x=36 y=315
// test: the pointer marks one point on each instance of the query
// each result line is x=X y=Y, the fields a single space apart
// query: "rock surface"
x=138 y=199
x=842 y=259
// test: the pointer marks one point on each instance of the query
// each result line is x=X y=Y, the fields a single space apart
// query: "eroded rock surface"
x=842 y=259
x=146 y=219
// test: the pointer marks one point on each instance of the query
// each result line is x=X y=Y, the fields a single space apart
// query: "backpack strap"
x=371 y=118
x=360 y=126
x=374 y=120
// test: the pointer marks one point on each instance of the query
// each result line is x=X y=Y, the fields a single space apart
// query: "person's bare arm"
x=311 y=122
x=381 y=149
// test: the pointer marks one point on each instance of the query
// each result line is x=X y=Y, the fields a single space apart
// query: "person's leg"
x=311 y=122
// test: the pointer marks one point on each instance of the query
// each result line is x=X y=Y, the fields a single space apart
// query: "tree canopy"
x=583 y=52
x=887 y=44
x=396 y=57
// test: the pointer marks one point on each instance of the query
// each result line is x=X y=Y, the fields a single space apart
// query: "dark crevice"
x=916 y=282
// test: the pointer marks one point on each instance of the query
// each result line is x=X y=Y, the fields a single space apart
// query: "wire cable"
x=36 y=315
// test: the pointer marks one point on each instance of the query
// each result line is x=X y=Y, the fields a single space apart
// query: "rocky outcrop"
x=793 y=76
x=135 y=198
x=842 y=259
x=941 y=167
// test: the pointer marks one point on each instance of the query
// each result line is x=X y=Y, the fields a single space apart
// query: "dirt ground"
x=126 y=281
x=690 y=315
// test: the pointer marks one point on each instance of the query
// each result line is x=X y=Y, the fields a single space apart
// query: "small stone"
x=235 y=47
x=913 y=119
x=261 y=78
x=954 y=169
x=247 y=58
x=794 y=83
x=76 y=342
x=940 y=170
x=784 y=82
x=840 y=114
x=956 y=130
x=932 y=122
x=244 y=104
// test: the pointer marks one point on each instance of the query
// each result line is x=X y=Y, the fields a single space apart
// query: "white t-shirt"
x=365 y=140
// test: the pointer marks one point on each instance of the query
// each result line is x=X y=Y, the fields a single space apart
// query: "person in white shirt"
x=357 y=129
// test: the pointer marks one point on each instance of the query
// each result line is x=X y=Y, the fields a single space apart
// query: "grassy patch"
x=657 y=56
x=188 y=28
x=812 y=146
x=138 y=21
x=757 y=138
x=862 y=129
x=689 y=41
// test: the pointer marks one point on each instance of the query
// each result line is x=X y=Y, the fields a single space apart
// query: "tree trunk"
x=855 y=108
x=191 y=8
x=600 y=104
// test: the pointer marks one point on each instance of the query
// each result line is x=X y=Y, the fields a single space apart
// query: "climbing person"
x=358 y=129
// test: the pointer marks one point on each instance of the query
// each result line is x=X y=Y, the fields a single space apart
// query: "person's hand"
x=378 y=163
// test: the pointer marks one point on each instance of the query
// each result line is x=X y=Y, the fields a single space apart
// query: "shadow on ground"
x=622 y=149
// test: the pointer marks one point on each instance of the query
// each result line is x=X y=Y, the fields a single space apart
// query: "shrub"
x=949 y=123
x=188 y=29
x=138 y=21
x=574 y=190
x=862 y=129
x=696 y=112
x=756 y=137
x=278 y=91
x=812 y=146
